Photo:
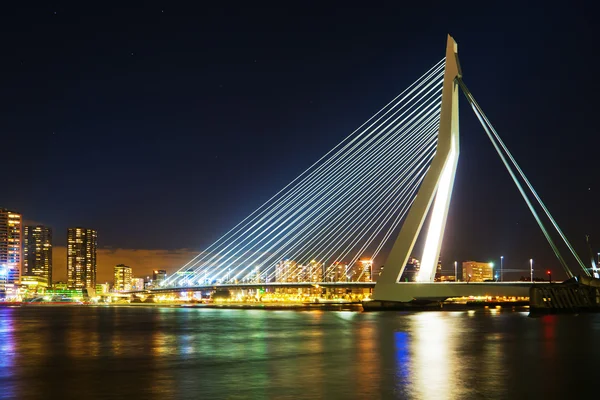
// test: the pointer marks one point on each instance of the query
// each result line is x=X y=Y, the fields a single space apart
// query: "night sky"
x=162 y=127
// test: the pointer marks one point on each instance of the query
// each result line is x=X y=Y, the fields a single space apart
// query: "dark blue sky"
x=162 y=126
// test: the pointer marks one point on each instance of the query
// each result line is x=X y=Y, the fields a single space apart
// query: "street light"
x=455 y=273
x=531 y=267
x=501 y=268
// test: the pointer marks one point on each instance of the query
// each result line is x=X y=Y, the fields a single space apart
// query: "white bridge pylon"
x=436 y=189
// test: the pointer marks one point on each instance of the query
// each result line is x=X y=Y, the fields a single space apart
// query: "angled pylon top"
x=436 y=189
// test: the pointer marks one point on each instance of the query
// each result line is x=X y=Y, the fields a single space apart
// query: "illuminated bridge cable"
x=488 y=129
x=358 y=218
x=338 y=217
x=335 y=248
x=278 y=211
x=291 y=212
x=278 y=228
x=332 y=259
x=530 y=186
x=315 y=225
x=392 y=181
x=410 y=192
x=322 y=211
x=315 y=194
x=370 y=192
x=340 y=191
x=433 y=72
x=337 y=253
x=308 y=189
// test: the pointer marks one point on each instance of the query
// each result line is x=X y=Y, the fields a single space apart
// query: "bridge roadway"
x=408 y=290
x=261 y=285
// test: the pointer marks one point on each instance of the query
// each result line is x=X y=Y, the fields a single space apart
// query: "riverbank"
x=346 y=306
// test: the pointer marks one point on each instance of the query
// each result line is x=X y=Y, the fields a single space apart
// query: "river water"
x=175 y=353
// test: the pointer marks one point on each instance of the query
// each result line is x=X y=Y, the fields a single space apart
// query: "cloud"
x=143 y=261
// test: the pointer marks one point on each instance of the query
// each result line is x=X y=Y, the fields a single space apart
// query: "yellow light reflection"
x=431 y=358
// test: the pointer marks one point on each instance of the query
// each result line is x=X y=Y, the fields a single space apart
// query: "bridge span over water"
x=377 y=189
x=420 y=291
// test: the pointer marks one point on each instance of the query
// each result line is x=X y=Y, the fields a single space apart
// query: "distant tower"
x=123 y=275
x=10 y=251
x=158 y=276
x=81 y=258
x=37 y=252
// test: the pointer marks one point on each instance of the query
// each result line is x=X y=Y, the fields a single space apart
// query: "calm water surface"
x=170 y=353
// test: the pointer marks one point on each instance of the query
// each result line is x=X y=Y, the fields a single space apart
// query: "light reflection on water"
x=431 y=341
x=7 y=353
x=151 y=353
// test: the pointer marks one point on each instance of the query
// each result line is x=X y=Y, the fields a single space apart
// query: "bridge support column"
x=436 y=188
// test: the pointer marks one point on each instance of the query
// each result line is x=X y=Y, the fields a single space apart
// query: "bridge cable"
x=494 y=138
x=306 y=188
x=341 y=204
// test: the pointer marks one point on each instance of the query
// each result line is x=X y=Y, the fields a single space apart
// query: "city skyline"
x=289 y=94
x=145 y=262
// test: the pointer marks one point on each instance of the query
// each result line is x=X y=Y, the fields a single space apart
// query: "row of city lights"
x=501 y=277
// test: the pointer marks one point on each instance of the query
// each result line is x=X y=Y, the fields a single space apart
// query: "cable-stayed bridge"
x=336 y=221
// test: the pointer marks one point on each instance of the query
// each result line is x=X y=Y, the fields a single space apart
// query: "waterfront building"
x=413 y=266
x=285 y=270
x=300 y=273
x=81 y=258
x=148 y=283
x=474 y=271
x=37 y=252
x=102 y=288
x=336 y=272
x=255 y=275
x=341 y=272
x=184 y=278
x=33 y=283
x=158 y=276
x=315 y=271
x=123 y=275
x=60 y=285
x=360 y=271
x=137 y=283
x=365 y=271
x=10 y=251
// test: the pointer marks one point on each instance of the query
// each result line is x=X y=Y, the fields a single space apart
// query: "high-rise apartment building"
x=123 y=275
x=158 y=276
x=10 y=251
x=286 y=271
x=37 y=252
x=473 y=271
x=81 y=258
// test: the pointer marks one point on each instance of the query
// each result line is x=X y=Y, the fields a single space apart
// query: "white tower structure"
x=436 y=189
